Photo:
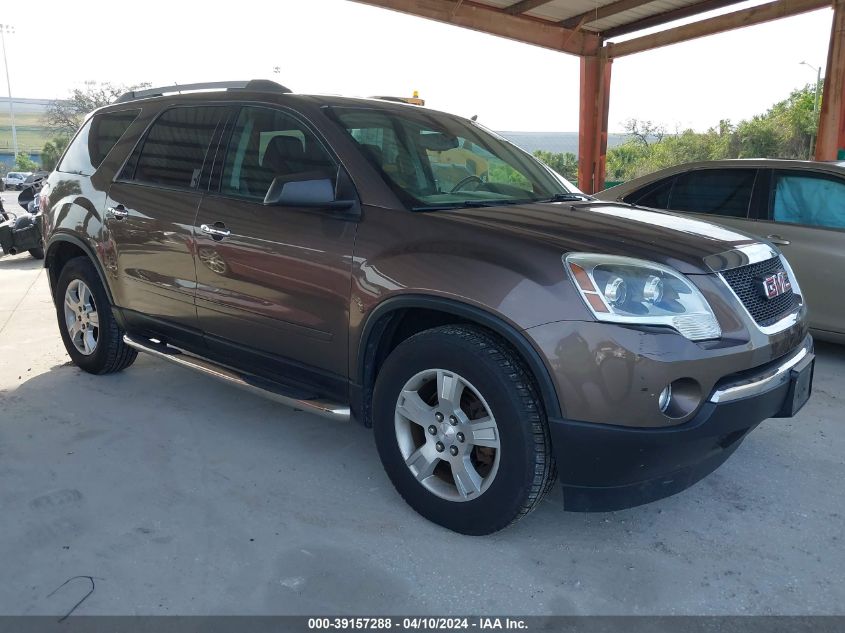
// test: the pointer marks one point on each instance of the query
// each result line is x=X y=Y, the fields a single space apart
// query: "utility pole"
x=7 y=28
x=815 y=106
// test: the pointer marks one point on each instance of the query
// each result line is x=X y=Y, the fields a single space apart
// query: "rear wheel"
x=89 y=330
x=37 y=253
x=460 y=429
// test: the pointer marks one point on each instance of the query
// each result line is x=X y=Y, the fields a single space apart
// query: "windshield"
x=436 y=161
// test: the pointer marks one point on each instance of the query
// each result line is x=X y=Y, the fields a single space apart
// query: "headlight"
x=627 y=290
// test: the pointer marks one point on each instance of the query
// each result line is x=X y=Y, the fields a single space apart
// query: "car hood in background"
x=688 y=245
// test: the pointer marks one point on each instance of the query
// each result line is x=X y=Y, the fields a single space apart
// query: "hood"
x=687 y=245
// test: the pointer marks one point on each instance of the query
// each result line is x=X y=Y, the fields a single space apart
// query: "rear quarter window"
x=94 y=141
x=655 y=195
x=175 y=148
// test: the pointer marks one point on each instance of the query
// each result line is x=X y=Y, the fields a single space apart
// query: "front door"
x=274 y=282
x=150 y=215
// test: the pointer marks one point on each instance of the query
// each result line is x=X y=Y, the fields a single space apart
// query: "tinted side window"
x=808 y=199
x=716 y=191
x=175 y=148
x=655 y=195
x=266 y=144
x=95 y=140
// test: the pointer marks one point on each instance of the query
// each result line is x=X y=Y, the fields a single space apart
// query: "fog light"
x=665 y=398
x=680 y=398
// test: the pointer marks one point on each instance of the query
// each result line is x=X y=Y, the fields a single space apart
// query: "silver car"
x=797 y=205
x=15 y=179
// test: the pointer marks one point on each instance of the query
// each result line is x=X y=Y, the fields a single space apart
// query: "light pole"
x=815 y=105
x=4 y=29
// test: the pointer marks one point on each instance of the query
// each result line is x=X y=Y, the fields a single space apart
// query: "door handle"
x=216 y=232
x=777 y=239
x=118 y=213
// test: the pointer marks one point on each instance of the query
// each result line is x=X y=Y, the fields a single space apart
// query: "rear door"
x=150 y=215
x=806 y=219
x=274 y=282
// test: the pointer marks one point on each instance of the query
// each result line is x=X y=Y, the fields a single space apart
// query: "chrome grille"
x=764 y=311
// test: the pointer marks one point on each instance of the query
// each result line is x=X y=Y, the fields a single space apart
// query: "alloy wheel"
x=81 y=318
x=447 y=435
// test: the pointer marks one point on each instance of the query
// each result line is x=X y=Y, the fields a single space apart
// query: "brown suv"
x=413 y=270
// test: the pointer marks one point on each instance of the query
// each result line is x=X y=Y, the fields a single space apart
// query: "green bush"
x=25 y=163
x=784 y=131
x=566 y=164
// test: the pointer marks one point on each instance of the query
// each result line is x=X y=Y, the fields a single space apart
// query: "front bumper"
x=605 y=467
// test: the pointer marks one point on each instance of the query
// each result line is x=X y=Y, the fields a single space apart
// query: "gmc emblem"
x=774 y=285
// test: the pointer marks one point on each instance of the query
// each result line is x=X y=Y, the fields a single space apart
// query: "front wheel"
x=89 y=330
x=461 y=431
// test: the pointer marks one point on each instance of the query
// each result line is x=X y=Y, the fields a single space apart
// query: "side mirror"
x=26 y=196
x=304 y=190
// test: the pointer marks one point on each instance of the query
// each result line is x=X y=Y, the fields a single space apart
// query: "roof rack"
x=415 y=100
x=257 y=85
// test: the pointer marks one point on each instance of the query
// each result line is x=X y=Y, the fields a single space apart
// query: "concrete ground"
x=180 y=495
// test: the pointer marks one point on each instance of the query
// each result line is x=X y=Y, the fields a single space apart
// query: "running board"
x=261 y=386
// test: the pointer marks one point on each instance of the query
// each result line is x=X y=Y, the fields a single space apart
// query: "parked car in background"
x=15 y=179
x=797 y=205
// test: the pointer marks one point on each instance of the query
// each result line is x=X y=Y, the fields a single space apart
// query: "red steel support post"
x=592 y=126
x=831 y=138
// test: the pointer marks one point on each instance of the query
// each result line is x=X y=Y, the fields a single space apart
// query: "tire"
x=109 y=353
x=37 y=253
x=513 y=464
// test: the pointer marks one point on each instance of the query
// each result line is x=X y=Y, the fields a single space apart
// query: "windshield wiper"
x=467 y=204
x=569 y=196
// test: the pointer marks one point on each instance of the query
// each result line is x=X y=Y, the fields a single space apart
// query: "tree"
x=760 y=138
x=644 y=131
x=52 y=151
x=64 y=116
x=566 y=164
x=627 y=161
x=784 y=131
x=25 y=163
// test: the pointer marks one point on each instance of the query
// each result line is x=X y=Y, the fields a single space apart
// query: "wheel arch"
x=383 y=323
x=61 y=249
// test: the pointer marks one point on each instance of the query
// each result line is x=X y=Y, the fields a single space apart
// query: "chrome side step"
x=246 y=381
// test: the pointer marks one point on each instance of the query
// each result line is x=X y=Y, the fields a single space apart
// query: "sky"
x=341 y=47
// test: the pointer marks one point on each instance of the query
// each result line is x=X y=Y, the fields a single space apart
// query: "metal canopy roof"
x=608 y=17
x=581 y=27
